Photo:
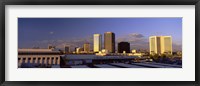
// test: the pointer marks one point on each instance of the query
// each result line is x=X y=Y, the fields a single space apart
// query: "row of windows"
x=49 y=60
x=40 y=62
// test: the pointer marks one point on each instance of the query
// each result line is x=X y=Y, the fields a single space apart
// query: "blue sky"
x=39 y=32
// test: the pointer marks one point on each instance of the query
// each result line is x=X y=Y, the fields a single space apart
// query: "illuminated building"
x=79 y=50
x=134 y=51
x=97 y=42
x=160 y=44
x=86 y=47
x=109 y=42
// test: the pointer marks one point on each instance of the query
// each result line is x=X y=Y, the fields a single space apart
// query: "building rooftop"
x=109 y=32
x=160 y=36
x=97 y=34
x=37 y=50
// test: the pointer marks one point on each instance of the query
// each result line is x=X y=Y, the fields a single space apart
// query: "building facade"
x=109 y=42
x=79 y=50
x=38 y=56
x=160 y=44
x=123 y=47
x=86 y=47
x=97 y=42
x=67 y=49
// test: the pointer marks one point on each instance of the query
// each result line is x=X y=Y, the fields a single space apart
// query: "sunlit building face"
x=97 y=42
x=86 y=47
x=109 y=42
x=160 y=44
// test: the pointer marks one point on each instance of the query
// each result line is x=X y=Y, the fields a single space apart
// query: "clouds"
x=133 y=37
x=136 y=35
x=51 y=32
x=40 y=32
x=136 y=40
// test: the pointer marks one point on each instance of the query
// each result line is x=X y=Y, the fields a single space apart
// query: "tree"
x=155 y=57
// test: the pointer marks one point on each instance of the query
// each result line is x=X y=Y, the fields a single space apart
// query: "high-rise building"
x=109 y=42
x=160 y=44
x=123 y=47
x=97 y=42
x=86 y=47
x=67 y=49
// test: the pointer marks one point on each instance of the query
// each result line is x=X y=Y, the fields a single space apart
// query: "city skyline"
x=76 y=31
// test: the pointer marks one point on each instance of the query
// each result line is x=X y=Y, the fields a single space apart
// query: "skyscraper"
x=86 y=47
x=160 y=44
x=123 y=46
x=67 y=49
x=109 y=42
x=97 y=42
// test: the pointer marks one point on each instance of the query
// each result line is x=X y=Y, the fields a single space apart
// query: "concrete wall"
x=39 y=59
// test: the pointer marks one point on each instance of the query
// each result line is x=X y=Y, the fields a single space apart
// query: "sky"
x=39 y=32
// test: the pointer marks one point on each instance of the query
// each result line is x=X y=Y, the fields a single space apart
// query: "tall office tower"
x=67 y=49
x=123 y=46
x=86 y=47
x=109 y=42
x=97 y=42
x=160 y=44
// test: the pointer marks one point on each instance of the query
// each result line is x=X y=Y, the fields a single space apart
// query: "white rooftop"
x=36 y=50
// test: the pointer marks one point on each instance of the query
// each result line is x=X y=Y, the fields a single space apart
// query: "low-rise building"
x=38 y=56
